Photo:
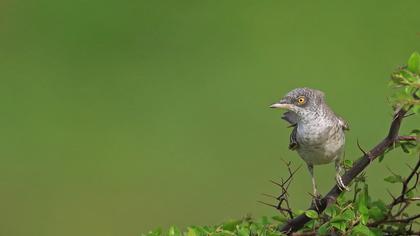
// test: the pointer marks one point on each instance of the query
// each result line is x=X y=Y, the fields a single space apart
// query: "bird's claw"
x=341 y=184
x=316 y=200
x=316 y=195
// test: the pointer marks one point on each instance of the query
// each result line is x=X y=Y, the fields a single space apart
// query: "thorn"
x=390 y=194
x=315 y=196
x=267 y=204
x=415 y=94
x=286 y=163
x=397 y=110
x=269 y=195
x=297 y=169
x=360 y=148
x=411 y=227
x=276 y=183
x=409 y=115
x=389 y=169
x=411 y=168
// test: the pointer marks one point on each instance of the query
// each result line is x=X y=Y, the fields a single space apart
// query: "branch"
x=392 y=137
x=405 y=220
x=406 y=138
x=283 y=205
x=401 y=200
x=405 y=188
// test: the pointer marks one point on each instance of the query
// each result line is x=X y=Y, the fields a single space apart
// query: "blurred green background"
x=122 y=116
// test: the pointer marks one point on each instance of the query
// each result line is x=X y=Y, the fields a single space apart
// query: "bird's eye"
x=301 y=100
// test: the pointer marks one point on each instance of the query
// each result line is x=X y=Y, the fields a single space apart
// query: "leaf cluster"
x=265 y=226
x=406 y=80
x=360 y=215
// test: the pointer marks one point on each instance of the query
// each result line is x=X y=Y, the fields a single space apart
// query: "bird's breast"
x=313 y=134
x=320 y=143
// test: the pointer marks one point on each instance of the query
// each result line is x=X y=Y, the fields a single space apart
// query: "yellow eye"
x=301 y=100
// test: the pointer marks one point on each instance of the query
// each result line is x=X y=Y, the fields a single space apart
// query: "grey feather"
x=290 y=117
x=293 y=144
x=343 y=123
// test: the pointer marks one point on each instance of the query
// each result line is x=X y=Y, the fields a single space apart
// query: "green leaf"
x=340 y=225
x=348 y=163
x=244 y=232
x=416 y=109
x=264 y=220
x=415 y=131
x=174 y=231
x=414 y=63
x=381 y=157
x=254 y=228
x=363 y=200
x=361 y=230
x=394 y=179
x=341 y=199
x=332 y=210
x=323 y=229
x=311 y=224
x=231 y=224
x=381 y=205
x=376 y=213
x=376 y=232
x=311 y=214
x=156 y=232
x=364 y=212
x=196 y=230
x=348 y=215
x=364 y=219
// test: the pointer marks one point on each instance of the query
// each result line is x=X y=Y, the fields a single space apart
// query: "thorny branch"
x=388 y=142
x=283 y=205
x=403 y=200
x=414 y=172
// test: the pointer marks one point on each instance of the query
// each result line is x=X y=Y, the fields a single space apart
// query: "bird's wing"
x=290 y=117
x=293 y=144
x=344 y=125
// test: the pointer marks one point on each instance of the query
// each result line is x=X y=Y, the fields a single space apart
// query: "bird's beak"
x=281 y=104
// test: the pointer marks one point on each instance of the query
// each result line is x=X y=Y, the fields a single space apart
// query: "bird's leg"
x=311 y=171
x=338 y=178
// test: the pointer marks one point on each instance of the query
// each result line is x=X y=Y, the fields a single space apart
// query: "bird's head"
x=301 y=101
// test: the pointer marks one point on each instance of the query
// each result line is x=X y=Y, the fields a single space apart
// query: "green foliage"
x=414 y=63
x=265 y=226
x=407 y=81
x=311 y=214
x=394 y=179
x=348 y=164
x=359 y=215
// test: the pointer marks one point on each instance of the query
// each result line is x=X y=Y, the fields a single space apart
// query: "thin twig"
x=404 y=220
x=406 y=138
x=283 y=205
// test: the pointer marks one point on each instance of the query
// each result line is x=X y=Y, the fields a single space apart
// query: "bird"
x=318 y=134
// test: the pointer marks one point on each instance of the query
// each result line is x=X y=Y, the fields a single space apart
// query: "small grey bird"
x=318 y=133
